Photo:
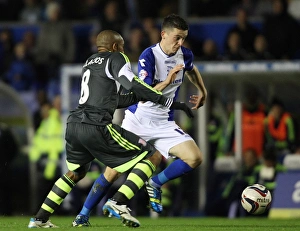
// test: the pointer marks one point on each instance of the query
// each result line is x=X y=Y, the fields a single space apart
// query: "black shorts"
x=110 y=144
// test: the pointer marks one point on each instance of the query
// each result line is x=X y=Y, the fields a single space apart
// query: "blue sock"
x=97 y=192
x=176 y=169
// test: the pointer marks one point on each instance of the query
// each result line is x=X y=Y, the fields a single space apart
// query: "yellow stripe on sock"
x=136 y=179
x=47 y=208
x=126 y=191
x=55 y=198
x=151 y=167
x=63 y=185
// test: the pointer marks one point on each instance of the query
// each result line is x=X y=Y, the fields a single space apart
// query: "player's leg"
x=186 y=162
x=177 y=143
x=97 y=192
x=61 y=188
x=116 y=206
x=78 y=162
x=127 y=151
x=176 y=169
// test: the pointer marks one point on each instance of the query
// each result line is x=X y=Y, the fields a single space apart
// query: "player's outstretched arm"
x=196 y=78
x=143 y=91
x=125 y=100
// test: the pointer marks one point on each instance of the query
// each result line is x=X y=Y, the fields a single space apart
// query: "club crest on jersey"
x=143 y=74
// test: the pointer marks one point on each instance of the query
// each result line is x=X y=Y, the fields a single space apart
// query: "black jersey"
x=103 y=75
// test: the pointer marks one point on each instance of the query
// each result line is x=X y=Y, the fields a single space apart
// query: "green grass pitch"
x=18 y=223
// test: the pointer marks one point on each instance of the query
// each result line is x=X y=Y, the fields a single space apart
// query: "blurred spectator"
x=6 y=49
x=247 y=5
x=279 y=130
x=42 y=110
x=266 y=172
x=135 y=44
x=263 y=8
x=47 y=147
x=31 y=12
x=210 y=8
x=261 y=51
x=253 y=115
x=282 y=31
x=297 y=148
x=21 y=73
x=233 y=51
x=10 y=10
x=113 y=16
x=93 y=8
x=151 y=29
x=29 y=41
x=55 y=46
x=89 y=49
x=80 y=9
x=238 y=182
x=148 y=8
x=9 y=150
x=209 y=51
x=168 y=7
x=245 y=29
x=294 y=8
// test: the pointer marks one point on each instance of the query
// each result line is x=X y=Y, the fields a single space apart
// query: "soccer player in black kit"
x=91 y=134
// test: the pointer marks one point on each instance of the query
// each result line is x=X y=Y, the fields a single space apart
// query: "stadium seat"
x=292 y=162
x=226 y=164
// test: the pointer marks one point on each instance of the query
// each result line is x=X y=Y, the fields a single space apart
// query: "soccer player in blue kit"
x=155 y=123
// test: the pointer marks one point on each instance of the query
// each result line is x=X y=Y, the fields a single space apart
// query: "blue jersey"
x=153 y=67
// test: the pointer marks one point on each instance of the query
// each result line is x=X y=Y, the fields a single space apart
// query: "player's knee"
x=194 y=160
x=156 y=158
x=198 y=160
x=111 y=175
x=76 y=176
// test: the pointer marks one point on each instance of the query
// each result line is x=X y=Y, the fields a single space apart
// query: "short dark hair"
x=270 y=154
x=277 y=102
x=174 y=21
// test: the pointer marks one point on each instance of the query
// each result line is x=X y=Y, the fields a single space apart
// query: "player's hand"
x=172 y=73
x=182 y=106
x=197 y=100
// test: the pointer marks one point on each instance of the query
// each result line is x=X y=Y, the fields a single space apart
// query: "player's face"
x=172 y=40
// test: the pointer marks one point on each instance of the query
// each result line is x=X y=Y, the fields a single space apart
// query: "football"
x=256 y=199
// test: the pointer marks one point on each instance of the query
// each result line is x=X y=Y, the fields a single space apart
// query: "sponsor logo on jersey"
x=142 y=62
x=143 y=74
x=170 y=62
x=156 y=81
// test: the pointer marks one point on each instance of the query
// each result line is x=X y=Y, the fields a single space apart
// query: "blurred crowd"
x=270 y=136
x=32 y=65
x=34 y=61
